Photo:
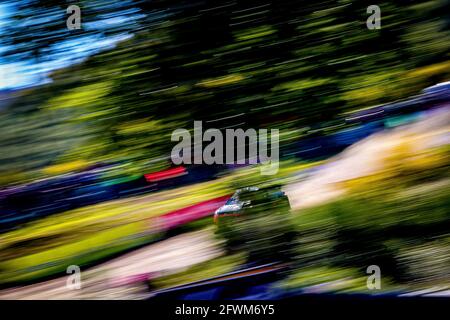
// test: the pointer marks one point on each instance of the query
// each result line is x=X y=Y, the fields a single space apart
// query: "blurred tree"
x=284 y=64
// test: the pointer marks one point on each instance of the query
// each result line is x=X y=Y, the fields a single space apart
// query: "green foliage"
x=284 y=65
x=394 y=219
x=200 y=271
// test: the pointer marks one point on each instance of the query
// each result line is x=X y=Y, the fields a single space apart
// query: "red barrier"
x=197 y=211
x=165 y=174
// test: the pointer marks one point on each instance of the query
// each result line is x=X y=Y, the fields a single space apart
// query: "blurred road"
x=123 y=277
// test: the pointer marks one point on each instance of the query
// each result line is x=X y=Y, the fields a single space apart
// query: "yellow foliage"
x=222 y=81
x=254 y=33
x=431 y=70
x=82 y=96
x=65 y=167
x=301 y=84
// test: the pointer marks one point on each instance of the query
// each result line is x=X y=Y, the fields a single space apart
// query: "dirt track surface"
x=123 y=277
x=367 y=157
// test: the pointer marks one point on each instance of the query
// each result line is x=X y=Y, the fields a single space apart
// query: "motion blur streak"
x=87 y=180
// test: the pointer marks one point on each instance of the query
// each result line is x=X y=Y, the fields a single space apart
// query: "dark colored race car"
x=247 y=198
x=256 y=221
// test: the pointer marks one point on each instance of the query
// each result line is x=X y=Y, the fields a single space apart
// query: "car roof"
x=247 y=189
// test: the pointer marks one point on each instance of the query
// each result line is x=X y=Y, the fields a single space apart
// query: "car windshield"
x=231 y=201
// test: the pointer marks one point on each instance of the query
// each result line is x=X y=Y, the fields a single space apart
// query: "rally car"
x=247 y=198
